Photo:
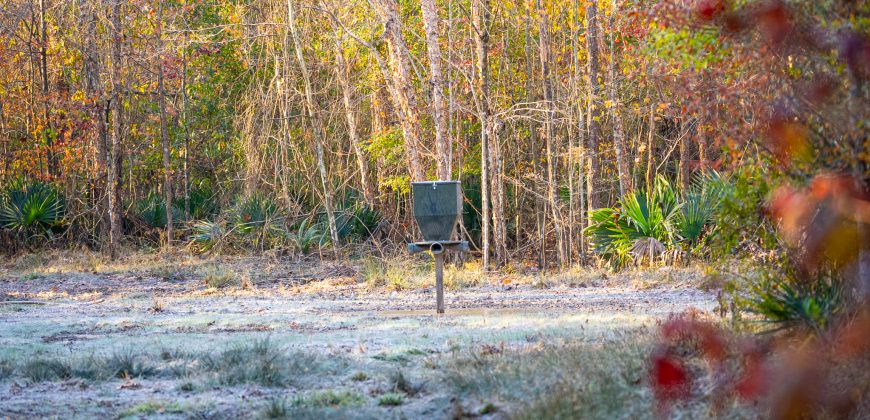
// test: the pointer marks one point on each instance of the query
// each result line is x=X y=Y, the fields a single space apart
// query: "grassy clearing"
x=255 y=275
x=208 y=348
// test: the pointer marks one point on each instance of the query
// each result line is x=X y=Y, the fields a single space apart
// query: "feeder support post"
x=439 y=282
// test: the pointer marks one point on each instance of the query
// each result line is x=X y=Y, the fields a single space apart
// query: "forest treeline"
x=155 y=121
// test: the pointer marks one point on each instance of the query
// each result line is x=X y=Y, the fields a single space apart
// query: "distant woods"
x=159 y=120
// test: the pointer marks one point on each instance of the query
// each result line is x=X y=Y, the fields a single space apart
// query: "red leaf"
x=669 y=378
x=709 y=9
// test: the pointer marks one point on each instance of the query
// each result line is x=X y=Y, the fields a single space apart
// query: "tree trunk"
x=403 y=86
x=650 y=147
x=579 y=153
x=480 y=14
x=164 y=131
x=533 y=142
x=436 y=78
x=552 y=183
x=858 y=104
x=624 y=174
x=683 y=168
x=93 y=89
x=114 y=178
x=399 y=92
x=342 y=72
x=496 y=193
x=316 y=128
x=186 y=167
x=51 y=160
x=593 y=112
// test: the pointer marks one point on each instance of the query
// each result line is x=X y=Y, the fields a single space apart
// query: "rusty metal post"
x=439 y=283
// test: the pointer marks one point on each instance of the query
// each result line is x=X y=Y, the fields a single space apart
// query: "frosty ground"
x=180 y=336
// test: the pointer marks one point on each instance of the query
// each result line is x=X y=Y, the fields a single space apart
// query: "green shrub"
x=203 y=202
x=786 y=298
x=641 y=227
x=254 y=213
x=700 y=207
x=152 y=211
x=740 y=227
x=207 y=236
x=257 y=218
x=357 y=222
x=308 y=235
x=651 y=225
x=31 y=208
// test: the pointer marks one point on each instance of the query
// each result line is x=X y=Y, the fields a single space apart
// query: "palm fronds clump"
x=31 y=208
x=650 y=225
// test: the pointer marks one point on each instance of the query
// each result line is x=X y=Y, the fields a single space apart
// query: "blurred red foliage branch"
x=813 y=120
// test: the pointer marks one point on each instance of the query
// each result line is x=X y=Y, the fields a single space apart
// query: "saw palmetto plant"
x=33 y=208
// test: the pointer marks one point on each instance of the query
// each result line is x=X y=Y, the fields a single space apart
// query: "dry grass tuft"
x=219 y=277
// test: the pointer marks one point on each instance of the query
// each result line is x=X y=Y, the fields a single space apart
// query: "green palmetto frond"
x=307 y=235
x=700 y=206
x=31 y=207
x=207 y=236
x=152 y=210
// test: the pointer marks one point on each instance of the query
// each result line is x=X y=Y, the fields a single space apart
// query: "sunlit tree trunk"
x=164 y=130
x=94 y=91
x=552 y=183
x=114 y=178
x=436 y=79
x=186 y=126
x=497 y=194
x=533 y=142
x=480 y=14
x=623 y=172
x=593 y=113
x=342 y=73
x=650 y=147
x=51 y=159
x=404 y=87
x=578 y=154
x=316 y=127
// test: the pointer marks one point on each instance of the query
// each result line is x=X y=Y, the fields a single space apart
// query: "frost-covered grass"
x=149 y=338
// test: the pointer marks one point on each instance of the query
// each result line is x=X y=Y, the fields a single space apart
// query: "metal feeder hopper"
x=437 y=209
